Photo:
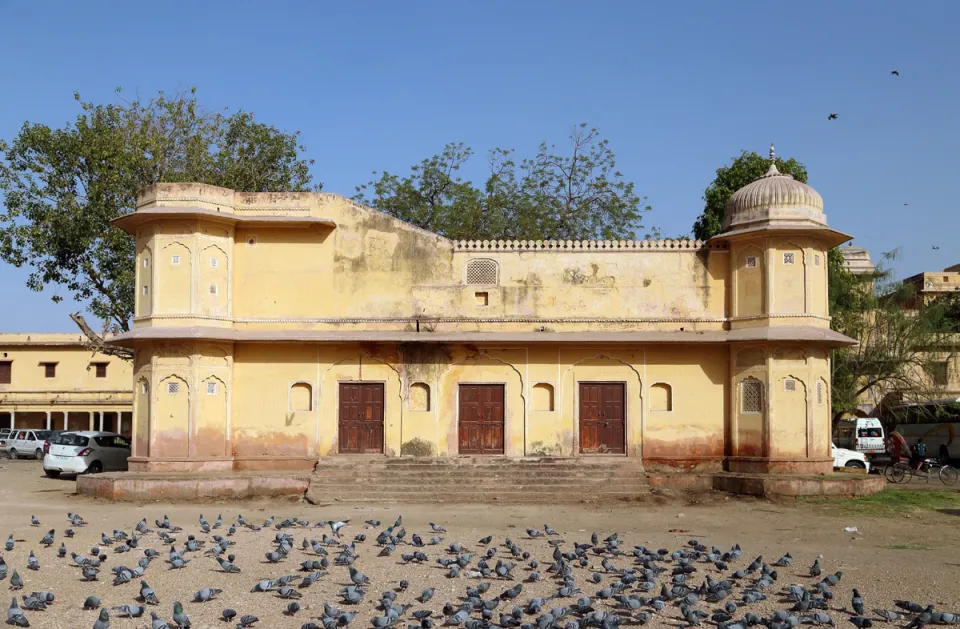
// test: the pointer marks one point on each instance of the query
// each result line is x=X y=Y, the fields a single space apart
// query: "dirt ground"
x=913 y=556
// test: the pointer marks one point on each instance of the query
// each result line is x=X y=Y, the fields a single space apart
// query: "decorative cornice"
x=428 y=320
x=792 y=315
x=586 y=245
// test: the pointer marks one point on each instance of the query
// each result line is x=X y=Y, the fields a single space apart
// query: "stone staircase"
x=364 y=479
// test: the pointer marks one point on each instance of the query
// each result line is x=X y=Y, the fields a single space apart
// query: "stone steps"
x=477 y=480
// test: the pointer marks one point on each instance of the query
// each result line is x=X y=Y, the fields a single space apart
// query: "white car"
x=86 y=452
x=849 y=459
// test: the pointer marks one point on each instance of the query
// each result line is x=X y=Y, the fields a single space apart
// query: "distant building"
x=51 y=381
x=857 y=260
x=275 y=328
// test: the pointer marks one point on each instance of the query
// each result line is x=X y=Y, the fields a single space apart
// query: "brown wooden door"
x=361 y=418
x=6 y=370
x=602 y=419
x=481 y=419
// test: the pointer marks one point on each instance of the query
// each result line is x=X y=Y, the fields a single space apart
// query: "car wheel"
x=52 y=473
x=13 y=453
x=95 y=468
x=38 y=454
x=855 y=465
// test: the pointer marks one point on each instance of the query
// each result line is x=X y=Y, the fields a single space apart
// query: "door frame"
x=506 y=413
x=383 y=445
x=626 y=417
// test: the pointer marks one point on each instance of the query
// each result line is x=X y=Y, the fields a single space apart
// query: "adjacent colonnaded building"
x=53 y=382
x=272 y=329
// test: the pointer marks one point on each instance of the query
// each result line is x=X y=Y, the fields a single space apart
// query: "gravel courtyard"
x=893 y=555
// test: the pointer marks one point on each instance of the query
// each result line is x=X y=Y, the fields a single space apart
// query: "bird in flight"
x=935 y=247
x=833 y=116
x=895 y=72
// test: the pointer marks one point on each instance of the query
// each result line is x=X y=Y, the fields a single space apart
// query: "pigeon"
x=129 y=611
x=180 y=618
x=9 y=544
x=922 y=620
x=815 y=568
x=857 y=603
x=92 y=602
x=16 y=581
x=15 y=615
x=833 y=116
x=895 y=72
x=206 y=594
x=157 y=623
x=147 y=595
x=247 y=621
x=860 y=622
x=358 y=577
x=32 y=562
x=889 y=616
x=103 y=620
x=228 y=614
x=292 y=608
x=784 y=561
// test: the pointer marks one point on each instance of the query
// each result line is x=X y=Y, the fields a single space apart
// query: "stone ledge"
x=772 y=485
x=187 y=486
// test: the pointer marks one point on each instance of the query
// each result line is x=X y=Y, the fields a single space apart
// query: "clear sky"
x=678 y=88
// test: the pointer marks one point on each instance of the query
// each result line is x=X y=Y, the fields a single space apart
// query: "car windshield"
x=72 y=439
x=42 y=434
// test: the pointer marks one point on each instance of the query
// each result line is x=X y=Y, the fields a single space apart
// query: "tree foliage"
x=898 y=341
x=576 y=195
x=745 y=169
x=61 y=187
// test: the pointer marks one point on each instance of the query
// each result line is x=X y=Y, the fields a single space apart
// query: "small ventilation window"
x=213 y=289
x=751 y=396
x=144 y=388
x=482 y=299
x=788 y=258
x=820 y=393
x=174 y=260
x=214 y=263
x=146 y=289
x=101 y=370
x=751 y=262
x=49 y=370
x=816 y=260
x=146 y=263
x=482 y=271
x=251 y=241
x=173 y=387
x=789 y=385
x=212 y=388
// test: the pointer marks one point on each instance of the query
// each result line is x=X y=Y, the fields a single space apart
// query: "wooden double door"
x=481 y=426
x=361 y=418
x=602 y=418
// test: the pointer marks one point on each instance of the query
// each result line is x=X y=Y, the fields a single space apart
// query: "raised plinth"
x=466 y=480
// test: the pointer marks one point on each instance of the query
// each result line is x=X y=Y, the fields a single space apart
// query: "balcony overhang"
x=133 y=221
x=821 y=336
x=830 y=237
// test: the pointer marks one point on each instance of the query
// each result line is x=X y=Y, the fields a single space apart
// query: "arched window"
x=301 y=397
x=419 y=396
x=483 y=271
x=543 y=397
x=751 y=396
x=661 y=397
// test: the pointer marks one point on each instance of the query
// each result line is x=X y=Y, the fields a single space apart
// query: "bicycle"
x=901 y=472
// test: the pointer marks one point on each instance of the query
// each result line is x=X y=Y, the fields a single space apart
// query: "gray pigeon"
x=157 y=622
x=206 y=594
x=103 y=621
x=15 y=615
x=92 y=602
x=180 y=618
x=129 y=611
x=16 y=581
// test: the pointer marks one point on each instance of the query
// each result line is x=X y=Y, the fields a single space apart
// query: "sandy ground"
x=882 y=574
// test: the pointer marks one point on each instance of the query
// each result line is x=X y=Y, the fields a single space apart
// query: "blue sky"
x=677 y=87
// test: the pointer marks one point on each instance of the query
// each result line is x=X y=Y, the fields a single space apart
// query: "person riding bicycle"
x=919 y=454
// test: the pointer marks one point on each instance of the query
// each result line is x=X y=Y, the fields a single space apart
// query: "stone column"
x=66 y=414
x=90 y=424
x=49 y=413
x=13 y=419
x=100 y=413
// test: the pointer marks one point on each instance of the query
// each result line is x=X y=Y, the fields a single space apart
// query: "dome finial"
x=773 y=163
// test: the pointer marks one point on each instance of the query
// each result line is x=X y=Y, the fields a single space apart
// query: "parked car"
x=87 y=451
x=26 y=442
x=4 y=435
x=849 y=458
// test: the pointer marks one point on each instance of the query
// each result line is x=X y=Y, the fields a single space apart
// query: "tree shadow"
x=954 y=512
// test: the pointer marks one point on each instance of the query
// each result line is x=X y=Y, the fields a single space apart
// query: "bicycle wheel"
x=897 y=473
x=948 y=475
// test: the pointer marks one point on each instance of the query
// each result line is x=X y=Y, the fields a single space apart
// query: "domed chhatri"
x=774 y=199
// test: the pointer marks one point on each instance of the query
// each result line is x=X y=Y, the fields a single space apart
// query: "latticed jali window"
x=482 y=271
x=751 y=396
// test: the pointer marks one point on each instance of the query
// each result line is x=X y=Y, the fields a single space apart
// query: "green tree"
x=61 y=187
x=897 y=340
x=576 y=195
x=746 y=168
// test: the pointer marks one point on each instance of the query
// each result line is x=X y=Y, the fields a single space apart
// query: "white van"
x=860 y=434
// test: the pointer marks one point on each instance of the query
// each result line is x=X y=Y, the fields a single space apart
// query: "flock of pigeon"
x=596 y=583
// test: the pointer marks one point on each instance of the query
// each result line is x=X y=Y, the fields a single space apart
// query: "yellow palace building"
x=275 y=328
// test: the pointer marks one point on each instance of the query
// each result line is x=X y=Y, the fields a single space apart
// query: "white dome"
x=774 y=197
